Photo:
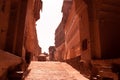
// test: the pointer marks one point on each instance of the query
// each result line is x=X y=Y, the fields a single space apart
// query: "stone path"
x=52 y=71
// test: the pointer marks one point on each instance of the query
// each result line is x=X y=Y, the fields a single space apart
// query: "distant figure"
x=28 y=57
x=51 y=53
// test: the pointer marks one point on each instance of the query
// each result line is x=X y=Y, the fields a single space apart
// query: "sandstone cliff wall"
x=18 y=28
x=31 y=42
x=60 y=33
x=104 y=21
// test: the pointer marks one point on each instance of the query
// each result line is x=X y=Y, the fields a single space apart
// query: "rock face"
x=60 y=33
x=90 y=32
x=31 y=43
x=104 y=28
x=76 y=33
x=77 y=36
x=17 y=27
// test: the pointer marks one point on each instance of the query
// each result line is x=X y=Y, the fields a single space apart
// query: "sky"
x=50 y=18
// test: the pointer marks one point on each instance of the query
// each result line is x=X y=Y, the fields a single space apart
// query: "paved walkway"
x=52 y=71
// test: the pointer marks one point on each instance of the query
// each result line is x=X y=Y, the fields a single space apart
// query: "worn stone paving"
x=52 y=71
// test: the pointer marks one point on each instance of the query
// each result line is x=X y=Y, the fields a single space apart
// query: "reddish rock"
x=60 y=34
x=87 y=34
x=31 y=42
x=18 y=29
x=104 y=27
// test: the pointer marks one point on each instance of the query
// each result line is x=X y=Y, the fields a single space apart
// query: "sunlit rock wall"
x=91 y=32
x=60 y=34
x=76 y=46
x=77 y=31
x=17 y=27
x=31 y=41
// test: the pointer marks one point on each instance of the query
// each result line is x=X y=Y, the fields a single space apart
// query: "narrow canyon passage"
x=87 y=38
